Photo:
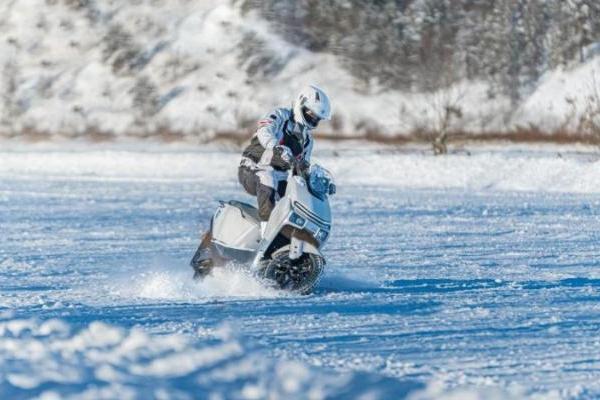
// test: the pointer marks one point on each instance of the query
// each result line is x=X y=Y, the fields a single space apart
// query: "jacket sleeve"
x=309 y=148
x=269 y=129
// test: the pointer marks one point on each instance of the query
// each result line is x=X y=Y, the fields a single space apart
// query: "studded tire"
x=299 y=276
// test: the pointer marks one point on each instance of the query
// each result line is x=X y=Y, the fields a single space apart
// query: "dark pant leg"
x=248 y=179
x=281 y=187
x=266 y=201
x=265 y=195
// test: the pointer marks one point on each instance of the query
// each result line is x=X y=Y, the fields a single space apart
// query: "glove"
x=303 y=167
x=332 y=188
x=282 y=158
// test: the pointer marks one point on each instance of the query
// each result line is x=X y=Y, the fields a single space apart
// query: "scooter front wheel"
x=300 y=276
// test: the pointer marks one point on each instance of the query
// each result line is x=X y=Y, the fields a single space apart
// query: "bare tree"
x=447 y=108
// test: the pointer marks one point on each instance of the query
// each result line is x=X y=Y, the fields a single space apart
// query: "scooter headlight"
x=319 y=180
x=297 y=220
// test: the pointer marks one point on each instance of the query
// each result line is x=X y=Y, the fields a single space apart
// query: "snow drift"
x=550 y=169
x=53 y=359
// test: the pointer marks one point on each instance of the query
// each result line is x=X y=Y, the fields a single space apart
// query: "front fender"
x=306 y=248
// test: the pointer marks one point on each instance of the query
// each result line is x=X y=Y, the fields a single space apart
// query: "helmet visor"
x=310 y=117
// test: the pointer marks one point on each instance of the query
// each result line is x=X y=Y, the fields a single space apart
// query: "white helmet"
x=311 y=106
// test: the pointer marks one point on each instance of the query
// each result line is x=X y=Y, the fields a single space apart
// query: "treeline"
x=425 y=45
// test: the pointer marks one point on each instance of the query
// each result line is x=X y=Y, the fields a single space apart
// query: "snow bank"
x=121 y=164
x=475 y=172
x=562 y=98
x=499 y=169
x=53 y=359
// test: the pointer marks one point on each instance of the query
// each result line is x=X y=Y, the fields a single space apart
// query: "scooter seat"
x=248 y=211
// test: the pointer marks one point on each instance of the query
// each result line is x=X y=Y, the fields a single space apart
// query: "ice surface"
x=480 y=280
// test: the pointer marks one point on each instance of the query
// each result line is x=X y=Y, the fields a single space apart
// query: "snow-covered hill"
x=198 y=68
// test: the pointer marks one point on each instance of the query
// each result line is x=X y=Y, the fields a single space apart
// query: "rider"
x=283 y=135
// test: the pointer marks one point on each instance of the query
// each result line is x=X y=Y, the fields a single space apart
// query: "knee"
x=248 y=180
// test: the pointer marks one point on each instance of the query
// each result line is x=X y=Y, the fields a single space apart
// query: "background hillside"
x=101 y=68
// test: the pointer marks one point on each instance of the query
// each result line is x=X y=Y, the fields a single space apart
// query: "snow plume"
x=166 y=283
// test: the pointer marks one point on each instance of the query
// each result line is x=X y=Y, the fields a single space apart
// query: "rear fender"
x=234 y=229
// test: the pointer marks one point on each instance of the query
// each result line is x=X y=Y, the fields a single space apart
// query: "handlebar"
x=296 y=168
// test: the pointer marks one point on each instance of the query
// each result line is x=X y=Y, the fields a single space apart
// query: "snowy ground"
x=467 y=276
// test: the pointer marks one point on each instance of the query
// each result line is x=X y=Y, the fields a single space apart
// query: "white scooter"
x=289 y=255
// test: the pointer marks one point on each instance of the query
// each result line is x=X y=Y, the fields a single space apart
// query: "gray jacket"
x=277 y=128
